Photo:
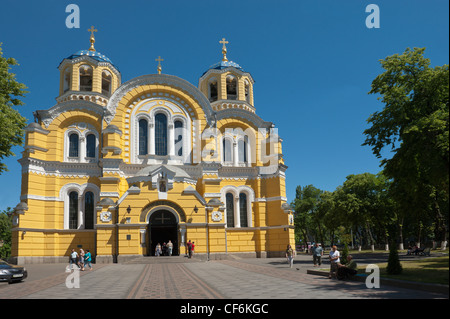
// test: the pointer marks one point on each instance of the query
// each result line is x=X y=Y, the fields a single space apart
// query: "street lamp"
x=128 y=209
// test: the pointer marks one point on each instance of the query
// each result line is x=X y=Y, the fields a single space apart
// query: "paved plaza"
x=183 y=278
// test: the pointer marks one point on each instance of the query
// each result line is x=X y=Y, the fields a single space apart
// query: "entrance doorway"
x=163 y=227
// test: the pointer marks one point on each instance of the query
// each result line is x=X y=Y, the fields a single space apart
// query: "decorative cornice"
x=243 y=114
x=47 y=116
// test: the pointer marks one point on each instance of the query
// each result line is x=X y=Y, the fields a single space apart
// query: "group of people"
x=165 y=249
x=81 y=259
x=337 y=269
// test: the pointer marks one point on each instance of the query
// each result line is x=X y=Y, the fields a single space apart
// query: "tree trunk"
x=400 y=226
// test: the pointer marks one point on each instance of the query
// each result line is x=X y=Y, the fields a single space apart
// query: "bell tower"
x=88 y=75
x=227 y=85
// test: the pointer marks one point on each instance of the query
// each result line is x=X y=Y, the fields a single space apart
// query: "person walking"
x=170 y=247
x=317 y=252
x=88 y=259
x=189 y=247
x=73 y=258
x=335 y=262
x=192 y=248
x=158 y=250
x=290 y=255
x=81 y=259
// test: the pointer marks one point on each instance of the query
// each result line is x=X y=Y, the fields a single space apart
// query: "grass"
x=429 y=270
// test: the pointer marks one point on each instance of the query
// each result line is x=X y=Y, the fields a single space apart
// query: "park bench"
x=425 y=252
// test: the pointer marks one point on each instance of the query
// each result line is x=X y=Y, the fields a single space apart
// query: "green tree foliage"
x=11 y=122
x=5 y=233
x=394 y=266
x=414 y=123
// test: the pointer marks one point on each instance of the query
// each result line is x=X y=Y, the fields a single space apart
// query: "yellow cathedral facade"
x=117 y=168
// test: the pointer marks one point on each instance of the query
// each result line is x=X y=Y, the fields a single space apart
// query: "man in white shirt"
x=335 y=261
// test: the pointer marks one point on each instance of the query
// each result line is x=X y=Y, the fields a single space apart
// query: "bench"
x=425 y=252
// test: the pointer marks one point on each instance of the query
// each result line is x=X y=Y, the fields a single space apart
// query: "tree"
x=415 y=124
x=5 y=233
x=11 y=122
x=305 y=203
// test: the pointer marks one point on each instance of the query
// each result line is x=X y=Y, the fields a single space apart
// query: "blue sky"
x=313 y=63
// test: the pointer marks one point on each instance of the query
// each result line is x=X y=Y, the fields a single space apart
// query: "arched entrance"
x=162 y=227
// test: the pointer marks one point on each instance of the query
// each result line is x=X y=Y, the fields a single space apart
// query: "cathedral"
x=117 y=168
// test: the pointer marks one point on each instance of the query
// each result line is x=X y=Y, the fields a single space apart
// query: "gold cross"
x=92 y=30
x=224 y=49
x=159 y=64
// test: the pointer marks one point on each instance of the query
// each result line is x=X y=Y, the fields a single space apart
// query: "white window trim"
x=250 y=199
x=81 y=190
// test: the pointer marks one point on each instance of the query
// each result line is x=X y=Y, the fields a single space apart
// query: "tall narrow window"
x=242 y=149
x=73 y=145
x=247 y=91
x=86 y=77
x=178 y=138
x=143 y=137
x=230 y=209
x=227 y=150
x=243 y=209
x=73 y=210
x=67 y=77
x=160 y=134
x=231 y=88
x=90 y=145
x=106 y=83
x=213 y=91
x=89 y=210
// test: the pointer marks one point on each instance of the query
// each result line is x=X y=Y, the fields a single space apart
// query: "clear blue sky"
x=313 y=63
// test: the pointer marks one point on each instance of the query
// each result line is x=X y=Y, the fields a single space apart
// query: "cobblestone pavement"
x=226 y=279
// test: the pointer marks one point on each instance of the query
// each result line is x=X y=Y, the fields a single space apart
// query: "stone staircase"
x=163 y=260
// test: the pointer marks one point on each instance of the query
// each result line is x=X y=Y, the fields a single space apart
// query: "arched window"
x=106 y=83
x=86 y=73
x=89 y=210
x=243 y=209
x=247 y=91
x=73 y=145
x=230 y=209
x=73 y=210
x=160 y=134
x=67 y=78
x=231 y=88
x=227 y=150
x=213 y=90
x=143 y=137
x=242 y=149
x=90 y=145
x=178 y=138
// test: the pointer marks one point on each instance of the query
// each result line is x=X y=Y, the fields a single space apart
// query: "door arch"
x=162 y=227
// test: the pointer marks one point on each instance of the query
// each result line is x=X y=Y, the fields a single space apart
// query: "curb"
x=438 y=288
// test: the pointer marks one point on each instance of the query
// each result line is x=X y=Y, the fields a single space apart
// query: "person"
x=164 y=249
x=88 y=259
x=290 y=255
x=170 y=247
x=158 y=250
x=348 y=270
x=189 y=247
x=335 y=261
x=81 y=259
x=73 y=258
x=192 y=248
x=317 y=252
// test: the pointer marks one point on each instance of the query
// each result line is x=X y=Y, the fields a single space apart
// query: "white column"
x=235 y=154
x=171 y=142
x=237 y=213
x=151 y=139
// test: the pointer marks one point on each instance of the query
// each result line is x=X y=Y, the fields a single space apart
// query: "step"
x=162 y=260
